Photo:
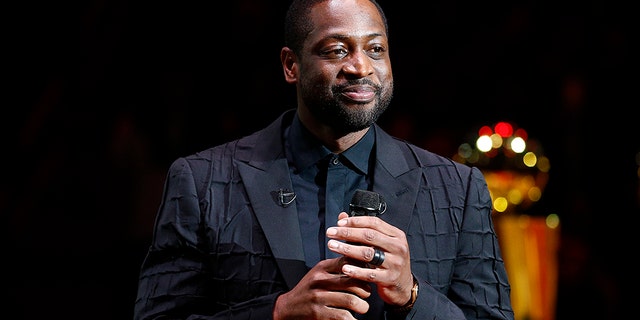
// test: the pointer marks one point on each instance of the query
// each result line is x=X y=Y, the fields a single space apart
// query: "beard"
x=329 y=108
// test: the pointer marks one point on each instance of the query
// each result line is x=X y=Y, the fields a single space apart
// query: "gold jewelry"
x=409 y=305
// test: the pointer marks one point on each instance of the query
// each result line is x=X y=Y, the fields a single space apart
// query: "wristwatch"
x=409 y=305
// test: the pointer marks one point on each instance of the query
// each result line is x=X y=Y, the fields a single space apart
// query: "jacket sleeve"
x=176 y=280
x=470 y=277
x=480 y=283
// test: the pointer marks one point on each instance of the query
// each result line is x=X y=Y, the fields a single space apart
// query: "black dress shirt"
x=324 y=183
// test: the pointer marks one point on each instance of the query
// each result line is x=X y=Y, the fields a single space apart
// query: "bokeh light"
x=514 y=165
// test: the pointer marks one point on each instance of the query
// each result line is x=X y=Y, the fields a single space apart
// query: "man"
x=258 y=228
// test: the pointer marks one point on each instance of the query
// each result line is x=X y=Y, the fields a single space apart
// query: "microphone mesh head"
x=367 y=203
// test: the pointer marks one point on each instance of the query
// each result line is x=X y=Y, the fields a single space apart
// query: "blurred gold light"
x=553 y=221
x=535 y=193
x=496 y=141
x=543 y=164
x=514 y=166
x=515 y=196
x=500 y=204
x=530 y=159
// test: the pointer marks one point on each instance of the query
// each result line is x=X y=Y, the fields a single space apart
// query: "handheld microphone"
x=366 y=203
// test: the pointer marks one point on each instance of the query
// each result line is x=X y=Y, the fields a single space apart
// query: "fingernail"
x=332 y=231
x=347 y=269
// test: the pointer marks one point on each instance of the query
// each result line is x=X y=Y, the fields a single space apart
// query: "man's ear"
x=289 y=65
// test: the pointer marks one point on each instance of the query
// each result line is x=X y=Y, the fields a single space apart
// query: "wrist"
x=412 y=300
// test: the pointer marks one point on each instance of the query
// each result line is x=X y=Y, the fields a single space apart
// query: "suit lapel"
x=265 y=171
x=396 y=180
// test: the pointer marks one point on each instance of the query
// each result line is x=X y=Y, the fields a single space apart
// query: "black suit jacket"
x=225 y=248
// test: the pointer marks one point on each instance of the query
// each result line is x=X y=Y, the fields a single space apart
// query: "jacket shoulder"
x=421 y=157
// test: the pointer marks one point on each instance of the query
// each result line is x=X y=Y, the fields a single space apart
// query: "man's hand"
x=324 y=293
x=360 y=237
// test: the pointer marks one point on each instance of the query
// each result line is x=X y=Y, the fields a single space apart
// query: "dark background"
x=103 y=95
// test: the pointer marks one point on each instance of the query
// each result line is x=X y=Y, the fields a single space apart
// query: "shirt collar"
x=359 y=154
x=307 y=150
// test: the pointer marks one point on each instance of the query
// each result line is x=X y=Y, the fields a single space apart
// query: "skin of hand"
x=359 y=235
x=324 y=293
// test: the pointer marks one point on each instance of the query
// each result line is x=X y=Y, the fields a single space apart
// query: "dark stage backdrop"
x=103 y=95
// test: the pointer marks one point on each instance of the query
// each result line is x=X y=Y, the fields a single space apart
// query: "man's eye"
x=335 y=53
x=377 y=51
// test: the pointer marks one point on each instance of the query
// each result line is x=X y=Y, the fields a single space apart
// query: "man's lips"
x=359 y=93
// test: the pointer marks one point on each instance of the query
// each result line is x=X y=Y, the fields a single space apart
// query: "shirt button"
x=335 y=161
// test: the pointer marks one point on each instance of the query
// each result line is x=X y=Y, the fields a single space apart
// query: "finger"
x=326 y=304
x=364 y=274
x=337 y=281
x=369 y=222
x=359 y=235
x=344 y=292
x=332 y=266
x=345 y=301
x=355 y=286
x=378 y=258
x=357 y=255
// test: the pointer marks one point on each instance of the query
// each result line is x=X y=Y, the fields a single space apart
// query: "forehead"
x=346 y=18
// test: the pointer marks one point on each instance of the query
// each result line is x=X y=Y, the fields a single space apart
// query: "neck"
x=337 y=142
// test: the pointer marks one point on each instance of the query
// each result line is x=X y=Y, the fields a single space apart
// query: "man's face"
x=345 y=77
